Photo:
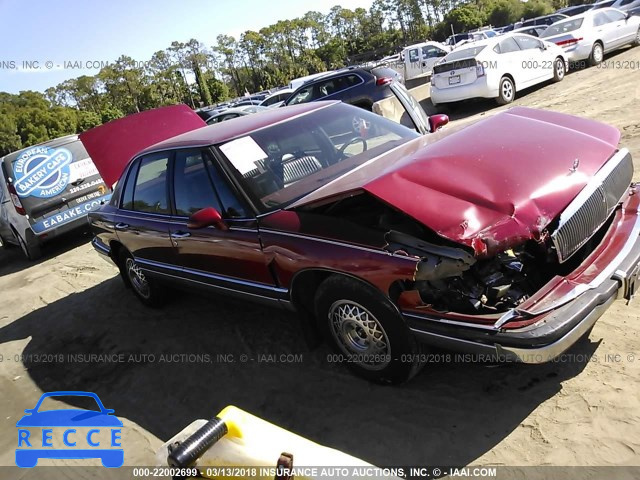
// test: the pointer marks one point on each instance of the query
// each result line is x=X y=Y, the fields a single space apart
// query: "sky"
x=44 y=42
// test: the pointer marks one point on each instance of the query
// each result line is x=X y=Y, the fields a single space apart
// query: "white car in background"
x=590 y=35
x=276 y=99
x=496 y=68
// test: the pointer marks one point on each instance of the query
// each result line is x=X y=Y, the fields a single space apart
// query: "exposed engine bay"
x=448 y=277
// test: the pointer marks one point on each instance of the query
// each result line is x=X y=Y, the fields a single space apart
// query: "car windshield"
x=284 y=162
x=562 y=27
x=464 y=53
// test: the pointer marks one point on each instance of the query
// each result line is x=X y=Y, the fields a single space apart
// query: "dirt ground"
x=584 y=410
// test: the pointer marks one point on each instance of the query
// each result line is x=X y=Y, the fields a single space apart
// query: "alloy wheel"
x=507 y=90
x=560 y=70
x=138 y=280
x=359 y=335
x=598 y=53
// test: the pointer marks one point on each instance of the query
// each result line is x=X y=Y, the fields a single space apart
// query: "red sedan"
x=508 y=238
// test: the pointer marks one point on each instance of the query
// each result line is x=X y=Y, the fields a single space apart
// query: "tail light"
x=15 y=199
x=383 y=81
x=433 y=80
x=567 y=43
x=479 y=70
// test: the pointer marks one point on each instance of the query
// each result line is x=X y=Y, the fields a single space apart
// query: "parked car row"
x=501 y=66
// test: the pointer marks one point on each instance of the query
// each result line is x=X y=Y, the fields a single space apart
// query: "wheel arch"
x=305 y=283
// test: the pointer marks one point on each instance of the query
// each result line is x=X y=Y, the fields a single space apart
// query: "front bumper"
x=547 y=338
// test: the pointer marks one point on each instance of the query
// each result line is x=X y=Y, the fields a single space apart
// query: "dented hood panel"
x=113 y=144
x=497 y=182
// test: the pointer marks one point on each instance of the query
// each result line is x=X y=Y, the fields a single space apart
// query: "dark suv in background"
x=361 y=87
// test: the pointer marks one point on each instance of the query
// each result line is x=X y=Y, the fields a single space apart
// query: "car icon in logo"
x=83 y=433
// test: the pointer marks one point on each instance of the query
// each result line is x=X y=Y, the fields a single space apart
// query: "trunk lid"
x=114 y=144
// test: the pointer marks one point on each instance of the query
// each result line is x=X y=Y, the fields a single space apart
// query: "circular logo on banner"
x=42 y=172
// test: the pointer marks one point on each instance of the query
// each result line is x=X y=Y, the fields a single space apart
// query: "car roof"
x=588 y=13
x=224 y=131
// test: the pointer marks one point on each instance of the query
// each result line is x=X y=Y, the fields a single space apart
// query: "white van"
x=47 y=190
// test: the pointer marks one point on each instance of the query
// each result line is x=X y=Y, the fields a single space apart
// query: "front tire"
x=636 y=42
x=146 y=289
x=559 y=69
x=366 y=331
x=506 y=91
x=597 y=54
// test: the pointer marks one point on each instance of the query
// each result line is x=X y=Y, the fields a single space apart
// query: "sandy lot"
x=582 y=411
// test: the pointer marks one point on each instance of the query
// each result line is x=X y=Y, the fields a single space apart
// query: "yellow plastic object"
x=252 y=446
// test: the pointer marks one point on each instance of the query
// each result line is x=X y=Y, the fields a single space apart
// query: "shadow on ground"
x=451 y=413
x=12 y=259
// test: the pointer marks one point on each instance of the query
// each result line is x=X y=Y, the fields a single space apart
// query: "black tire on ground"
x=30 y=249
x=506 y=91
x=366 y=331
x=597 y=54
x=636 y=42
x=148 y=290
x=559 y=69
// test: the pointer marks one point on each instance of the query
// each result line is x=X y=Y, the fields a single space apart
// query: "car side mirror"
x=205 y=218
x=436 y=122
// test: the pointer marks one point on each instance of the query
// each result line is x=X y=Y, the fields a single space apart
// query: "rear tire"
x=148 y=290
x=366 y=331
x=31 y=251
x=559 y=69
x=597 y=54
x=506 y=91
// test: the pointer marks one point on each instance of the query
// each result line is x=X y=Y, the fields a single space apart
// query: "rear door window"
x=508 y=45
x=528 y=43
x=150 y=191
x=600 y=19
x=615 y=16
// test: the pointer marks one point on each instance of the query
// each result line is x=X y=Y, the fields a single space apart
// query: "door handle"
x=121 y=226
x=180 y=235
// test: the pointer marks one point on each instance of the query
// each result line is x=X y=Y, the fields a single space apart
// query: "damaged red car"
x=508 y=238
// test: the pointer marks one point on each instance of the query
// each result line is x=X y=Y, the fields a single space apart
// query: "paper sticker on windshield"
x=243 y=153
x=42 y=171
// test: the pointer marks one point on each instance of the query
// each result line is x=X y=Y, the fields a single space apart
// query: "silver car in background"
x=588 y=36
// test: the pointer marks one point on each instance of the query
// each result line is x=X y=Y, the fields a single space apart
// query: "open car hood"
x=491 y=185
x=112 y=145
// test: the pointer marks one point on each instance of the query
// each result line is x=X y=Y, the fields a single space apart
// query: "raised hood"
x=493 y=184
x=113 y=144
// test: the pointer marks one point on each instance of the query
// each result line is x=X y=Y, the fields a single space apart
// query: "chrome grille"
x=593 y=205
